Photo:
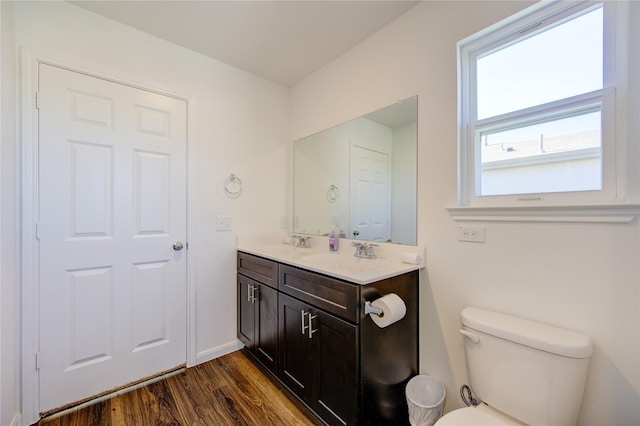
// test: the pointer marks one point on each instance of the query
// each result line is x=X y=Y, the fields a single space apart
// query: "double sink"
x=340 y=264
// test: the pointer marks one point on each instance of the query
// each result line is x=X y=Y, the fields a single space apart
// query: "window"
x=537 y=99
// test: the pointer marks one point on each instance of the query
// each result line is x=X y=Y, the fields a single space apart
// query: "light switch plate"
x=224 y=223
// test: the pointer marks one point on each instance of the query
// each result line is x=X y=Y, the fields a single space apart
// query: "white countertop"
x=341 y=264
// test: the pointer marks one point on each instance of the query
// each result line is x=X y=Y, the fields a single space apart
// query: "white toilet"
x=525 y=372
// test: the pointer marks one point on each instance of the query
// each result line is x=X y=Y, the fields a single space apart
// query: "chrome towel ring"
x=333 y=193
x=233 y=186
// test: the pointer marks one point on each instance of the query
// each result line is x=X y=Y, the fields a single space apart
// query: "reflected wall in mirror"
x=359 y=178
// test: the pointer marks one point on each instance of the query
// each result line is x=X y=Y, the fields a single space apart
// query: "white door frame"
x=28 y=208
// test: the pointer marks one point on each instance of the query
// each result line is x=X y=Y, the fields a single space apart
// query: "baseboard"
x=218 y=351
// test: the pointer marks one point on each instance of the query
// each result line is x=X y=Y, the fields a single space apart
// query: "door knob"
x=177 y=246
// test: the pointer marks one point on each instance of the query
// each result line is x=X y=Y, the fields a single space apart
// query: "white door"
x=370 y=202
x=112 y=200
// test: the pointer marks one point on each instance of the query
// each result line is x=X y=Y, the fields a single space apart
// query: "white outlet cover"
x=471 y=234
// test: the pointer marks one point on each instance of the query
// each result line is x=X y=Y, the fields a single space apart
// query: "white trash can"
x=425 y=399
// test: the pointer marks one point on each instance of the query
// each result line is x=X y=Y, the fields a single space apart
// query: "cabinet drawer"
x=334 y=296
x=259 y=269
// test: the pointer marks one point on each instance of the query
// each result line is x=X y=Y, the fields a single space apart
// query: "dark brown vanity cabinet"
x=318 y=354
x=319 y=342
x=322 y=346
x=258 y=308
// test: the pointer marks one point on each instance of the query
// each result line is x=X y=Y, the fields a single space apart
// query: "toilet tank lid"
x=530 y=333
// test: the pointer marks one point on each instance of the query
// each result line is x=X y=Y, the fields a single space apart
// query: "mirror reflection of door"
x=323 y=160
x=370 y=202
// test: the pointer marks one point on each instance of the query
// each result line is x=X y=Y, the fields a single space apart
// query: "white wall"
x=9 y=361
x=580 y=276
x=238 y=123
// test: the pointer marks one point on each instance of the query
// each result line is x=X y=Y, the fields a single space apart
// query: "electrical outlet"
x=472 y=234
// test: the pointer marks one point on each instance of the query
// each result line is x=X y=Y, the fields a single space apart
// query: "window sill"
x=611 y=213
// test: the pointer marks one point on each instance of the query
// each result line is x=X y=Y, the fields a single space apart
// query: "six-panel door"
x=112 y=205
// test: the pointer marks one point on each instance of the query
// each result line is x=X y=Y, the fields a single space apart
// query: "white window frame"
x=615 y=109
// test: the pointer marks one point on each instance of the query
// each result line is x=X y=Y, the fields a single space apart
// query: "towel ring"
x=233 y=186
x=333 y=193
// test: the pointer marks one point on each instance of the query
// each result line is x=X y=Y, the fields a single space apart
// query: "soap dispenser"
x=333 y=241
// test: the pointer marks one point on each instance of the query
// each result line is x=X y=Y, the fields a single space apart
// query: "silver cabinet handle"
x=177 y=246
x=310 y=326
x=304 y=326
x=251 y=293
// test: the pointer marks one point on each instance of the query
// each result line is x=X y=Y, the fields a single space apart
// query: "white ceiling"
x=283 y=41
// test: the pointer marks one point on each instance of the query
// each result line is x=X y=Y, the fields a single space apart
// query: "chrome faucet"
x=302 y=241
x=364 y=250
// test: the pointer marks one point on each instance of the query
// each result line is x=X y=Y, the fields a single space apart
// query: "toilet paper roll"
x=411 y=258
x=393 y=310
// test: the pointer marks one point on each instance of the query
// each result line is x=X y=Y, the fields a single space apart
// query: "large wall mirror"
x=359 y=178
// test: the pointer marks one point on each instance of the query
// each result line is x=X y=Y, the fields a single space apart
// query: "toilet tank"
x=531 y=371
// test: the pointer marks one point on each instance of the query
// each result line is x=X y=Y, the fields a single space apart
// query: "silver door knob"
x=178 y=246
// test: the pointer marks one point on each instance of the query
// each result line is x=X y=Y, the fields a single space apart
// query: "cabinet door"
x=335 y=391
x=246 y=311
x=295 y=353
x=266 y=330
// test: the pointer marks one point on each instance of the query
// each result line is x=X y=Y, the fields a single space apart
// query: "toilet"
x=523 y=371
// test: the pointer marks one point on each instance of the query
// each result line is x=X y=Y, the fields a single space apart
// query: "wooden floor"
x=230 y=390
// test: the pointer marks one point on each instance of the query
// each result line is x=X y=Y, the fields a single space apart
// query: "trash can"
x=425 y=399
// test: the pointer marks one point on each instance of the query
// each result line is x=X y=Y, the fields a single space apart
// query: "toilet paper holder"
x=368 y=309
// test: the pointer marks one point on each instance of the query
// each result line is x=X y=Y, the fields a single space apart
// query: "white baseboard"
x=218 y=351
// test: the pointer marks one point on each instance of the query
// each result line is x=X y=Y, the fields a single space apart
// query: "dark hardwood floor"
x=230 y=390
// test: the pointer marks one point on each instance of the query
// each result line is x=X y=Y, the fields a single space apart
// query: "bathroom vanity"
x=310 y=331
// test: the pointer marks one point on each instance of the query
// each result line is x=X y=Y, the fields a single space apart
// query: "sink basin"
x=283 y=250
x=335 y=262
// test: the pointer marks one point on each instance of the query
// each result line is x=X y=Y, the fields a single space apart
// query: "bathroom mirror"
x=359 y=178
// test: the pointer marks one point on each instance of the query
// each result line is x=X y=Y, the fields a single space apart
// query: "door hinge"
x=38 y=100
x=37 y=230
x=38 y=360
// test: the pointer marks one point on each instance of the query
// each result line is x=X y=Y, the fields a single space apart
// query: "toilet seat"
x=482 y=415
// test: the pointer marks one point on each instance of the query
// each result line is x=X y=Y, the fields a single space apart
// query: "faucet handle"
x=364 y=249
x=304 y=241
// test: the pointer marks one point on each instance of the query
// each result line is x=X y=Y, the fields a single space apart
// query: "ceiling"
x=283 y=41
x=398 y=114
